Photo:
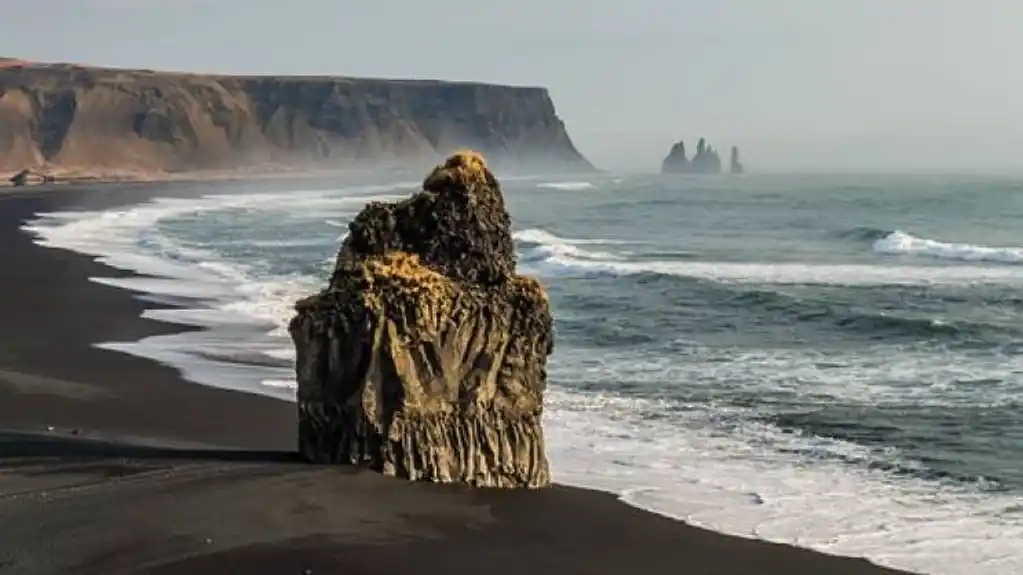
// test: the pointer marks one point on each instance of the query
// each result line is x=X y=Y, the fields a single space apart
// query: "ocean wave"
x=872 y=323
x=743 y=482
x=540 y=236
x=541 y=245
x=567 y=186
x=783 y=273
x=882 y=323
x=553 y=255
x=873 y=318
x=902 y=243
x=867 y=233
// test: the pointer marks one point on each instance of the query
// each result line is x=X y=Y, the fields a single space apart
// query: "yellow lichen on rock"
x=404 y=270
x=468 y=159
x=530 y=289
x=465 y=168
x=399 y=282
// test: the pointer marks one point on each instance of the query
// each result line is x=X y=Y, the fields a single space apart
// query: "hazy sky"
x=798 y=84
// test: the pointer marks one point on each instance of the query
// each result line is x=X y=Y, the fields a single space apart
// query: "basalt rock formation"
x=676 y=161
x=63 y=118
x=425 y=356
x=706 y=160
x=735 y=166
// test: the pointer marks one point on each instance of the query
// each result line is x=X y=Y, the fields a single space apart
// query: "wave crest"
x=541 y=245
x=899 y=242
x=865 y=233
x=567 y=186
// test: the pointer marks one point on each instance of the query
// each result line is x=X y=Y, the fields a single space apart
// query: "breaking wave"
x=556 y=255
x=899 y=242
x=567 y=186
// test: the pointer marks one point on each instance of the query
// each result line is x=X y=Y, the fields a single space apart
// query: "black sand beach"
x=112 y=464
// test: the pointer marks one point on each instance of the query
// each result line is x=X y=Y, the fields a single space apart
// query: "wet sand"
x=113 y=464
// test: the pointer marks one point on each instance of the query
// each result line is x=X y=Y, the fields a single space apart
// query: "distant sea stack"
x=425 y=356
x=705 y=161
x=63 y=118
x=735 y=165
x=676 y=161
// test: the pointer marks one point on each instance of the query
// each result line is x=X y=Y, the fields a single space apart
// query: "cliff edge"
x=425 y=356
x=68 y=118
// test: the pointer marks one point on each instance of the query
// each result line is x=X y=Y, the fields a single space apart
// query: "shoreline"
x=413 y=167
x=210 y=472
x=47 y=178
x=79 y=314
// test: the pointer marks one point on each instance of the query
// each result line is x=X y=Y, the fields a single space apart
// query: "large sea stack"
x=425 y=357
x=676 y=161
x=706 y=160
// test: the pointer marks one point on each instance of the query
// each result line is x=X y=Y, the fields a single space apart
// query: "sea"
x=829 y=361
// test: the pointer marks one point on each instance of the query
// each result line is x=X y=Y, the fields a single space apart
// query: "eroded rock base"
x=482 y=450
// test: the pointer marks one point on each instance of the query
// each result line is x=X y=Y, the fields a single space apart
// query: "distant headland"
x=705 y=161
x=75 y=122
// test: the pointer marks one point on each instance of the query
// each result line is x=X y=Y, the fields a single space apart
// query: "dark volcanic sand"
x=112 y=464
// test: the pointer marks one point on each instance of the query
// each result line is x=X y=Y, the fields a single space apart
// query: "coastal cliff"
x=70 y=118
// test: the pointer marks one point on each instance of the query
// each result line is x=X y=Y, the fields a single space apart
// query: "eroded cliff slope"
x=68 y=117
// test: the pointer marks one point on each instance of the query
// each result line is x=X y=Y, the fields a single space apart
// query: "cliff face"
x=74 y=117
